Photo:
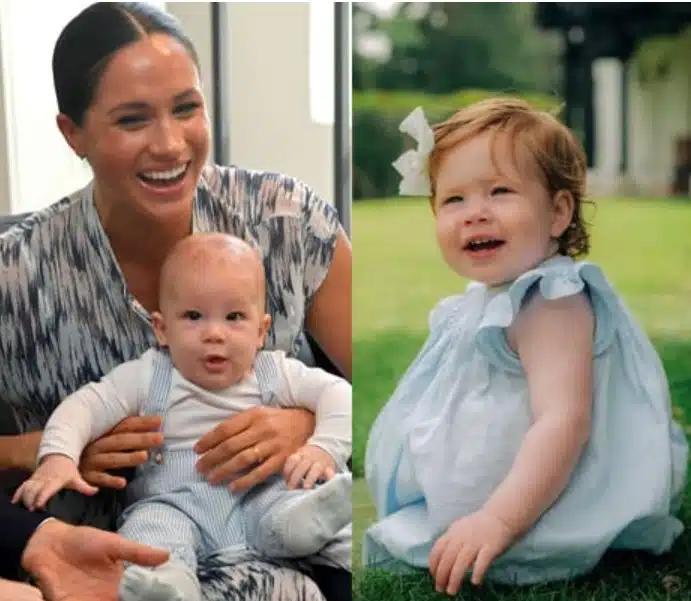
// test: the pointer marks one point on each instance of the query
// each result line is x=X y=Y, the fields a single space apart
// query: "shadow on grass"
x=621 y=576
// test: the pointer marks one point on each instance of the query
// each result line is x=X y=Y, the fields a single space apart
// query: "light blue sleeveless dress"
x=454 y=425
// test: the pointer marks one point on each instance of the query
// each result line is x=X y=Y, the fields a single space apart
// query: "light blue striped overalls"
x=174 y=507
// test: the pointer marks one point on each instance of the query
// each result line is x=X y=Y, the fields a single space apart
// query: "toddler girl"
x=533 y=431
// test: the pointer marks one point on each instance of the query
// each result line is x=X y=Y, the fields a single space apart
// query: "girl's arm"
x=554 y=340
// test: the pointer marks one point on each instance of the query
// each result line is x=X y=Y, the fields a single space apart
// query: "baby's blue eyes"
x=192 y=315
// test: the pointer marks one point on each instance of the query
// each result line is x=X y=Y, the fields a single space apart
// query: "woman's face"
x=146 y=133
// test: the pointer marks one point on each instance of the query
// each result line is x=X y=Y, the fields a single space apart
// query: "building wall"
x=659 y=112
x=271 y=118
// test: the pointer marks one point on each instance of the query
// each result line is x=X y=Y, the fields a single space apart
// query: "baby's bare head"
x=204 y=258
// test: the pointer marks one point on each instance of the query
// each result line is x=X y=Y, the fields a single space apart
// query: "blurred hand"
x=16 y=591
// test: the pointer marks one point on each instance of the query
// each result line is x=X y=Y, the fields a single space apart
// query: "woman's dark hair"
x=88 y=42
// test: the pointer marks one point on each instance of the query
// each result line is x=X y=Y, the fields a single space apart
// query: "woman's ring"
x=257 y=454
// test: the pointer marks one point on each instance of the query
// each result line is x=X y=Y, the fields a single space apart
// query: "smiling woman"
x=145 y=134
x=79 y=279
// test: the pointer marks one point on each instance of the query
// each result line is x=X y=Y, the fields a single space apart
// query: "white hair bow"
x=413 y=165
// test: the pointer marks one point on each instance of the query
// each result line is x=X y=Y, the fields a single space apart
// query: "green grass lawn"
x=644 y=246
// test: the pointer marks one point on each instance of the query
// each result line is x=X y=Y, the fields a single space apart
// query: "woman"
x=79 y=279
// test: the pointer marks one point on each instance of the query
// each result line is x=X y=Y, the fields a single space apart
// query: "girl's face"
x=146 y=133
x=493 y=222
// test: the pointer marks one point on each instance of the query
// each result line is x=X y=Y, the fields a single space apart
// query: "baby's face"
x=213 y=321
x=493 y=222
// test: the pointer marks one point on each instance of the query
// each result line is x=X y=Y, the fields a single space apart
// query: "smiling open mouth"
x=483 y=244
x=162 y=179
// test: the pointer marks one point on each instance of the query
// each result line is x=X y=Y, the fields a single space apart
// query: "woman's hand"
x=78 y=563
x=125 y=446
x=257 y=441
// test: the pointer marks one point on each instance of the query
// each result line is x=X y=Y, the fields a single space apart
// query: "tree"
x=445 y=46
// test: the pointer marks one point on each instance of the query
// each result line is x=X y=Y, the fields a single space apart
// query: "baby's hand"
x=307 y=465
x=472 y=542
x=55 y=473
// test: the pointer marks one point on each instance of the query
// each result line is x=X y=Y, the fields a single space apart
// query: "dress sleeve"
x=315 y=226
x=319 y=224
x=551 y=283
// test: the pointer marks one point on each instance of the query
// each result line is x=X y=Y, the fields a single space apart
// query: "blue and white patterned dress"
x=452 y=429
x=67 y=318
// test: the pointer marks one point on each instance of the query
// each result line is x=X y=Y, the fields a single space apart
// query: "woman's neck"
x=138 y=239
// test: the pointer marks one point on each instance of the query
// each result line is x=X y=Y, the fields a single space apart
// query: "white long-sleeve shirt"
x=96 y=408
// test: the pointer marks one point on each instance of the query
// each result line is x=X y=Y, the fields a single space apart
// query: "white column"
x=608 y=110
